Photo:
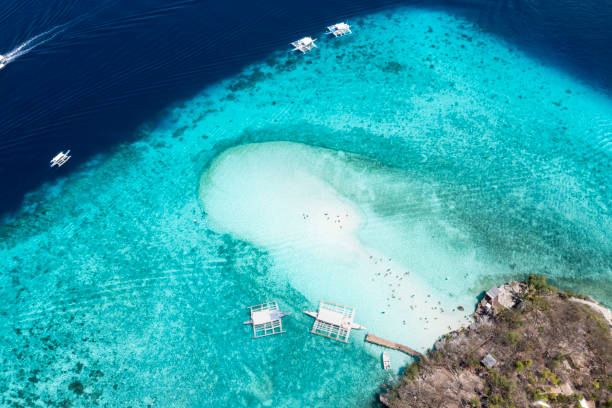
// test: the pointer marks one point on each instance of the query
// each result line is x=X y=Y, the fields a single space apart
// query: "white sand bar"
x=336 y=227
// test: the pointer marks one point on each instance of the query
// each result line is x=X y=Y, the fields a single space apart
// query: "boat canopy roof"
x=58 y=156
x=339 y=29
x=340 y=26
x=332 y=317
x=266 y=316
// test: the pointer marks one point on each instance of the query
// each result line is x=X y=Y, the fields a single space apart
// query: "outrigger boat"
x=304 y=44
x=266 y=319
x=334 y=321
x=60 y=159
x=386 y=361
x=340 y=29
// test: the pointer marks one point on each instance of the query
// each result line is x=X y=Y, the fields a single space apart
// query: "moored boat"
x=386 y=361
x=266 y=319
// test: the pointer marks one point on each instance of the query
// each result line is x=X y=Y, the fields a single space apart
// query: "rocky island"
x=530 y=345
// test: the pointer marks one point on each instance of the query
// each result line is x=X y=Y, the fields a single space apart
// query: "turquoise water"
x=446 y=154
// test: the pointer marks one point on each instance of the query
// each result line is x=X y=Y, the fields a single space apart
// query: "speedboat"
x=386 y=361
x=60 y=159
x=3 y=61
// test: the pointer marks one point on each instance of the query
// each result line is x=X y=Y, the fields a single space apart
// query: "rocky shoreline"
x=530 y=345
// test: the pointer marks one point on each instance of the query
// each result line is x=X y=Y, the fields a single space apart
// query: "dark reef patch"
x=76 y=387
x=247 y=81
x=393 y=67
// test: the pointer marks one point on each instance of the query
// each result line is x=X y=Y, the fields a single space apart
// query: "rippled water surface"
x=401 y=170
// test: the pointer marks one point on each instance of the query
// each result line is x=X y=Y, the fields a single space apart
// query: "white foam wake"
x=30 y=44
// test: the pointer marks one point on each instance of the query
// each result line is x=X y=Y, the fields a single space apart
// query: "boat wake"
x=30 y=44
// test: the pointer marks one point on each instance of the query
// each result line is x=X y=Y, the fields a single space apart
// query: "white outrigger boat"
x=304 y=44
x=340 y=29
x=266 y=319
x=3 y=61
x=60 y=159
x=386 y=361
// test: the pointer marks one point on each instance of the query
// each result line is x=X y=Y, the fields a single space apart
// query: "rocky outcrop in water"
x=529 y=345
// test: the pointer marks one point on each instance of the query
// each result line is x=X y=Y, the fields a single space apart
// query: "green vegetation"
x=547 y=376
x=546 y=347
x=475 y=402
x=499 y=389
x=412 y=371
x=512 y=338
x=539 y=395
x=537 y=283
x=472 y=361
x=557 y=360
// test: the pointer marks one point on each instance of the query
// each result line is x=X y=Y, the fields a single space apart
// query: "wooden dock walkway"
x=389 y=344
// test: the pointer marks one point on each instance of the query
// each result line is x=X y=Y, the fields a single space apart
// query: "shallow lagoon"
x=455 y=154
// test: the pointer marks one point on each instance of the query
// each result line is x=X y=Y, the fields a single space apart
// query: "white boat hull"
x=386 y=361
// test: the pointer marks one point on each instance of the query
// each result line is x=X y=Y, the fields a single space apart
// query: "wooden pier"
x=389 y=344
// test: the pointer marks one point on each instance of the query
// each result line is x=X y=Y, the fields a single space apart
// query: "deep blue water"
x=112 y=66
